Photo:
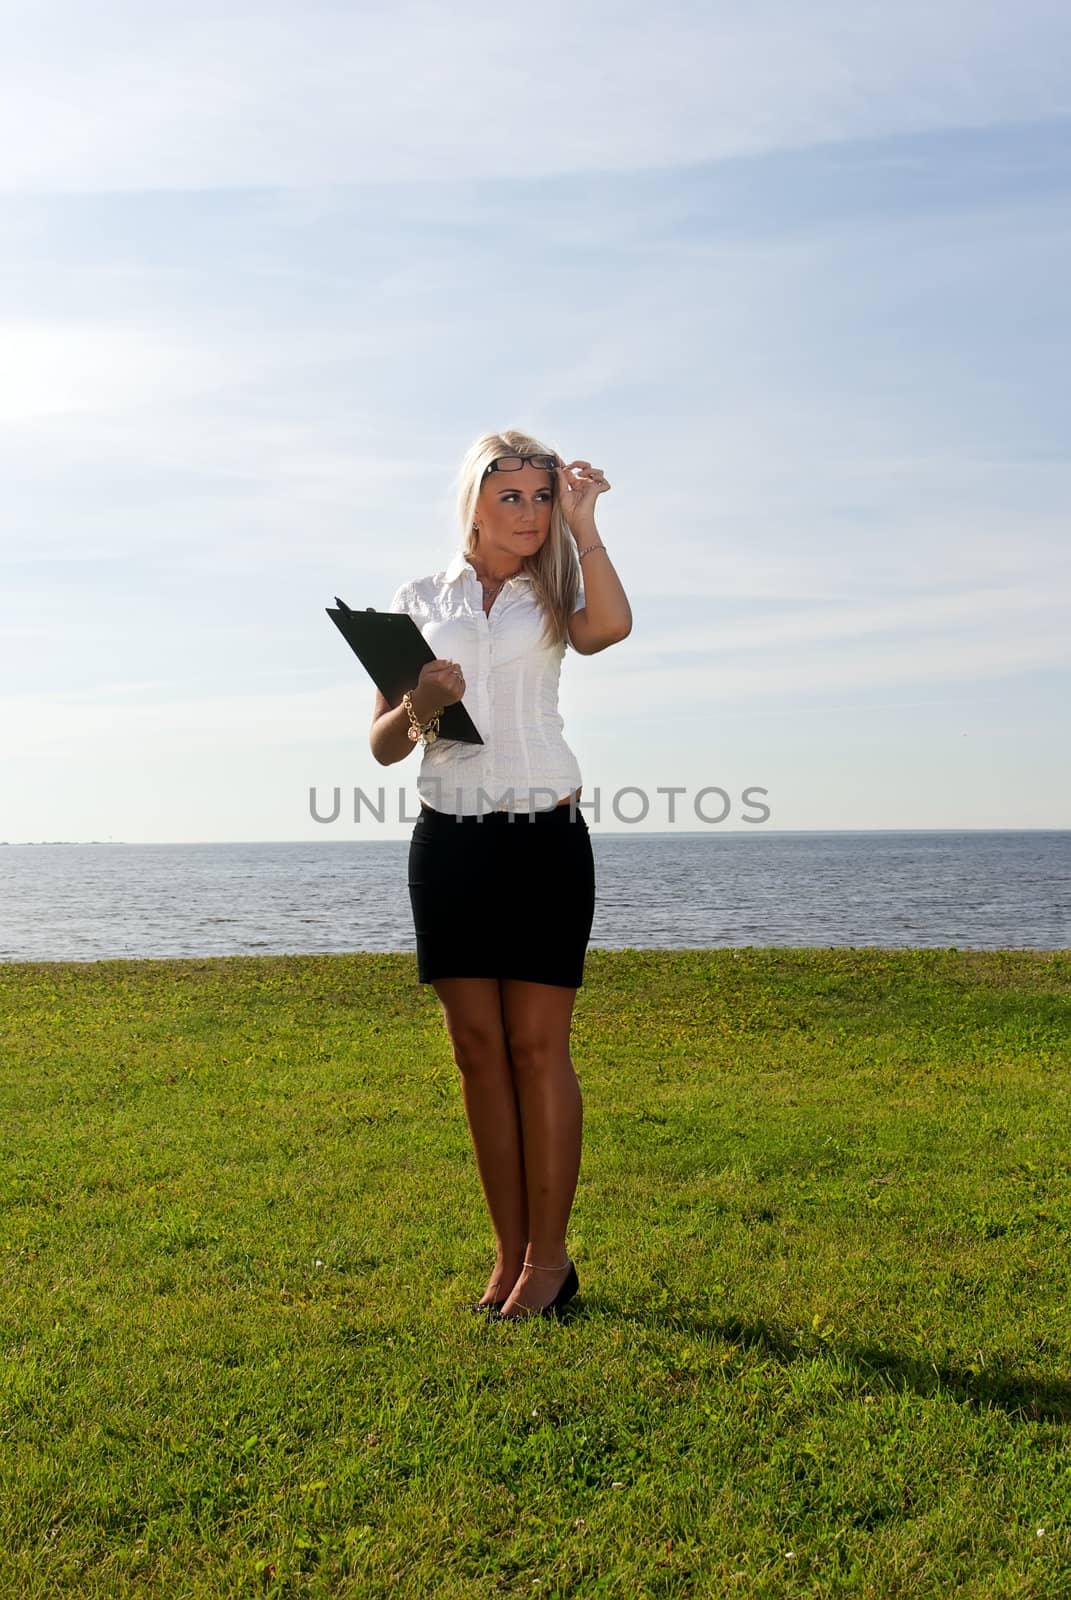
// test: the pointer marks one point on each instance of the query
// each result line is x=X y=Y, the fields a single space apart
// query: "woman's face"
x=513 y=512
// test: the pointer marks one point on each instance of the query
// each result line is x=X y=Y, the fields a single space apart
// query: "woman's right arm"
x=389 y=735
x=436 y=688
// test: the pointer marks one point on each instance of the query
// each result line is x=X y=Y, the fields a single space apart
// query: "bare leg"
x=537 y=1020
x=474 y=1021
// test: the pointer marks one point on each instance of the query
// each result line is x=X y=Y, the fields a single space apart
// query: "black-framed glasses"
x=542 y=463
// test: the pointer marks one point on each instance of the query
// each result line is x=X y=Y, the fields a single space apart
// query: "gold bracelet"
x=589 y=549
x=427 y=731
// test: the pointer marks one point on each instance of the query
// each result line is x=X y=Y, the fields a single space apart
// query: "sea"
x=927 y=889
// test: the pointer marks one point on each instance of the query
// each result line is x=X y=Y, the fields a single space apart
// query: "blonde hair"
x=554 y=569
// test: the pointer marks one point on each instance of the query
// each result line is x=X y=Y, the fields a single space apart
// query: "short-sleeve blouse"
x=511 y=694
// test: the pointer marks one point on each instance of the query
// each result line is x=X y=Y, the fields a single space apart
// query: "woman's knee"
x=537 y=1051
x=477 y=1037
x=475 y=1028
x=537 y=1019
x=477 y=1046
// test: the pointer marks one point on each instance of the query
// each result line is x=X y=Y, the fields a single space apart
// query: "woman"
x=501 y=873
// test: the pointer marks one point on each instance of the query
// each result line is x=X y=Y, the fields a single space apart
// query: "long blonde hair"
x=554 y=569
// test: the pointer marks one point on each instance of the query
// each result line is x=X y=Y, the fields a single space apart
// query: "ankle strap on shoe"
x=538 y=1268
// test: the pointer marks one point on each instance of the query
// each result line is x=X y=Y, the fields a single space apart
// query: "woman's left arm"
x=606 y=616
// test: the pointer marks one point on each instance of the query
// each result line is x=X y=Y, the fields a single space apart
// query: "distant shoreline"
x=610 y=833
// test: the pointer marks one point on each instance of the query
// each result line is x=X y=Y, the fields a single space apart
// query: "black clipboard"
x=392 y=650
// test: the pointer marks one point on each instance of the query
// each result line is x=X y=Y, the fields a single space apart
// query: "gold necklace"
x=497 y=587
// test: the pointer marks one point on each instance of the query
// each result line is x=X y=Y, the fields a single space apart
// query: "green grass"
x=823 y=1344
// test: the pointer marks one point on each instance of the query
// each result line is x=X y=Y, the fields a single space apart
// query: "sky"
x=793 y=277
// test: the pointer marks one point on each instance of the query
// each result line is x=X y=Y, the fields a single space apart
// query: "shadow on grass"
x=1022 y=1397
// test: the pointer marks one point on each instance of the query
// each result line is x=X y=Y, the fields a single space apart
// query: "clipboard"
x=392 y=650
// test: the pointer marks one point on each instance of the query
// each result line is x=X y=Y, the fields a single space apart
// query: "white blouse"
x=511 y=694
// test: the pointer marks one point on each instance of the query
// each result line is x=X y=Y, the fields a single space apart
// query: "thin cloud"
x=121 y=97
x=33 y=722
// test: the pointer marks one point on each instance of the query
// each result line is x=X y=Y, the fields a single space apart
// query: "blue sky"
x=795 y=279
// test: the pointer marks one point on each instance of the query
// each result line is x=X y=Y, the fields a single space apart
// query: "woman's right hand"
x=441 y=682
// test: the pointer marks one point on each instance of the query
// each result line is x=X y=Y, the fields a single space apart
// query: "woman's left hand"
x=579 y=485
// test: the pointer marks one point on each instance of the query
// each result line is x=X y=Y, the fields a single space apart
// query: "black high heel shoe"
x=569 y=1288
x=494 y=1306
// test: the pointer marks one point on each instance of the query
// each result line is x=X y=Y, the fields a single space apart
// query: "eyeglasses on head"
x=543 y=463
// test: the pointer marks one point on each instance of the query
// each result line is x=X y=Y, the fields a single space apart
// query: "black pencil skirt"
x=504 y=895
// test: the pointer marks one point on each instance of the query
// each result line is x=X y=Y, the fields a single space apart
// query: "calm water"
x=1001 y=890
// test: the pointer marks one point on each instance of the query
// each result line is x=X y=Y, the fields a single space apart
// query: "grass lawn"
x=823 y=1341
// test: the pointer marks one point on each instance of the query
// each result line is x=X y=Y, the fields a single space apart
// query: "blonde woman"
x=501 y=873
